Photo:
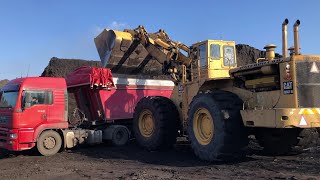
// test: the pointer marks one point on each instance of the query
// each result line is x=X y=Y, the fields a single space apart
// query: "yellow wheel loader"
x=215 y=103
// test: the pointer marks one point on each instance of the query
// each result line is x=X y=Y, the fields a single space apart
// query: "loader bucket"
x=119 y=52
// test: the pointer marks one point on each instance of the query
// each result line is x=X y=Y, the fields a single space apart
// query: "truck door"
x=35 y=106
x=34 y=113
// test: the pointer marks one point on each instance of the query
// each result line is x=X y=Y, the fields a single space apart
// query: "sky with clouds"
x=32 y=32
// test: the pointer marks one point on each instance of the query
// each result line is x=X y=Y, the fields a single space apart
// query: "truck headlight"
x=13 y=136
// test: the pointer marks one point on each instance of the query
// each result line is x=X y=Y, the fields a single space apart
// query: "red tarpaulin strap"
x=101 y=78
x=98 y=78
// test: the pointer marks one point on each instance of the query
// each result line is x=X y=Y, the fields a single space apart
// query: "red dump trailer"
x=34 y=110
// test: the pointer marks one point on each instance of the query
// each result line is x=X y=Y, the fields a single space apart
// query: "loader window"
x=203 y=55
x=228 y=56
x=215 y=51
x=31 y=98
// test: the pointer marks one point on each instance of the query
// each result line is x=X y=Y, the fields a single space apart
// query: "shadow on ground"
x=180 y=156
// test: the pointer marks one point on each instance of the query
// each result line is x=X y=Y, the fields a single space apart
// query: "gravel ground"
x=131 y=162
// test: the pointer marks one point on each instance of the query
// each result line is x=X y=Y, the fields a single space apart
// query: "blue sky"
x=32 y=32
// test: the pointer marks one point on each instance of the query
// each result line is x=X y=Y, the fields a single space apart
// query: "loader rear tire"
x=215 y=127
x=155 y=123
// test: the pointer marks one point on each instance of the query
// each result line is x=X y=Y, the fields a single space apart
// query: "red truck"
x=34 y=110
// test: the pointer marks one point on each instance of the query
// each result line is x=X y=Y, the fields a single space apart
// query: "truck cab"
x=28 y=106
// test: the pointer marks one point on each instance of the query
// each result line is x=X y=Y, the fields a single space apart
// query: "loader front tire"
x=215 y=127
x=155 y=123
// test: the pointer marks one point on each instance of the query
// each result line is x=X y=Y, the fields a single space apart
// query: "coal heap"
x=62 y=67
x=248 y=55
x=3 y=82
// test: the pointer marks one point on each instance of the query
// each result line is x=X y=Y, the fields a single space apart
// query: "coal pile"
x=62 y=67
x=248 y=55
x=3 y=82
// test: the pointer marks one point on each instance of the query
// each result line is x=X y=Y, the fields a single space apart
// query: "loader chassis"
x=286 y=104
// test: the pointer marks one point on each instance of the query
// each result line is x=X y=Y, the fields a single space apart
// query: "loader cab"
x=216 y=58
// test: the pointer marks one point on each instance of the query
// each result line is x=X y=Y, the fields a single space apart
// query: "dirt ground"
x=131 y=162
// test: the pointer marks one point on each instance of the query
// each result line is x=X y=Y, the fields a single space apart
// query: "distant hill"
x=3 y=82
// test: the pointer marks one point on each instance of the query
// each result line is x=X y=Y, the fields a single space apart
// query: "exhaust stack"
x=270 y=55
x=285 y=38
x=296 y=37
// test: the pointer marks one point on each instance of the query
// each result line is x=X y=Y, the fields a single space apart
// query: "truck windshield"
x=8 y=99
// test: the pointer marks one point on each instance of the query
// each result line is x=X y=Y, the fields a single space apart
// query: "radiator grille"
x=3 y=137
x=308 y=83
x=5 y=119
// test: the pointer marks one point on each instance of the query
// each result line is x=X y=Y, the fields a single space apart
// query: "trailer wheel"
x=155 y=123
x=286 y=141
x=215 y=126
x=49 y=143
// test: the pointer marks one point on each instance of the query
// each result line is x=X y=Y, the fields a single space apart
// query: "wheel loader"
x=215 y=103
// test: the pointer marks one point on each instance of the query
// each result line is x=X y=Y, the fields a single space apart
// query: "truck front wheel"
x=155 y=123
x=49 y=143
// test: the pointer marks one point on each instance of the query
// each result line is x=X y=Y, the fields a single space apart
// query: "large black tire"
x=49 y=143
x=163 y=115
x=286 y=141
x=120 y=136
x=228 y=137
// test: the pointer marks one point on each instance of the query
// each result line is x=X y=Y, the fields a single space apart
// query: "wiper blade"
x=5 y=106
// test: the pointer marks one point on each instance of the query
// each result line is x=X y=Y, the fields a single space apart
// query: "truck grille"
x=3 y=137
x=4 y=119
x=308 y=83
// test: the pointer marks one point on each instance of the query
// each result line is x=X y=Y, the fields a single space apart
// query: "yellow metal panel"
x=287 y=100
x=260 y=118
x=281 y=118
x=297 y=119
x=309 y=111
x=218 y=73
x=261 y=82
